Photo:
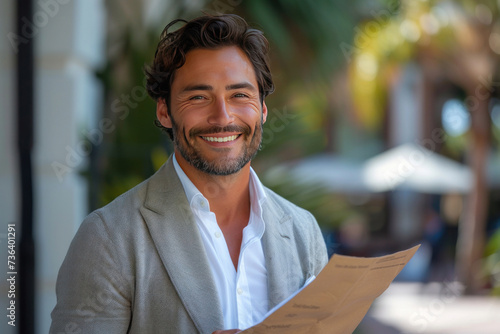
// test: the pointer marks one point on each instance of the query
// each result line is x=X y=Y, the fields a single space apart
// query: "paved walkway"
x=435 y=308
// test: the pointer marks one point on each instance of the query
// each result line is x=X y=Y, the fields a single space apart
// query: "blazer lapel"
x=177 y=239
x=278 y=246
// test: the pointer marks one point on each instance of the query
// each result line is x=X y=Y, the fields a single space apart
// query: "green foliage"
x=126 y=156
x=305 y=55
x=305 y=35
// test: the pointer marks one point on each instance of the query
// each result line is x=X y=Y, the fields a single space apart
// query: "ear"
x=162 y=113
x=264 y=112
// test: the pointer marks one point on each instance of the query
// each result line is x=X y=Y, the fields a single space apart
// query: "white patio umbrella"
x=416 y=168
x=334 y=173
x=408 y=166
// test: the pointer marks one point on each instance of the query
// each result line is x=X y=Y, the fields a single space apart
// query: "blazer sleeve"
x=92 y=294
x=319 y=253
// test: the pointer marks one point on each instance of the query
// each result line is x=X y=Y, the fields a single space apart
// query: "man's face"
x=215 y=110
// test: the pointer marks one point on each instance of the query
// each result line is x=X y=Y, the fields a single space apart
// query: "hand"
x=229 y=331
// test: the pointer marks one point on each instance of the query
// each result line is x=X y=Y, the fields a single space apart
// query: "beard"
x=224 y=165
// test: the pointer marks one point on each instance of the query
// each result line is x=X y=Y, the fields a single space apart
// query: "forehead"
x=227 y=64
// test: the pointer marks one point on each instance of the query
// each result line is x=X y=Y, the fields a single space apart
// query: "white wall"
x=69 y=38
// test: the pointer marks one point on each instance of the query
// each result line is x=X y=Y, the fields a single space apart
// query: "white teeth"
x=221 y=139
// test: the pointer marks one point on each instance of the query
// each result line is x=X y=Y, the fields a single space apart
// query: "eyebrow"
x=197 y=87
x=239 y=85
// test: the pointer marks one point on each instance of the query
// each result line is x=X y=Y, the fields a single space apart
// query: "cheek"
x=181 y=132
x=192 y=117
x=249 y=114
x=182 y=122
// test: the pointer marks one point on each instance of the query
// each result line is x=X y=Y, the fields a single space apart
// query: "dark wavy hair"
x=206 y=32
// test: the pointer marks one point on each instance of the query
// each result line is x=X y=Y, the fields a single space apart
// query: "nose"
x=220 y=113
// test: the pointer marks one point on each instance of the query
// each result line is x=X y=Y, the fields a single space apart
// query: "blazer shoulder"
x=286 y=207
x=123 y=217
x=124 y=207
x=132 y=198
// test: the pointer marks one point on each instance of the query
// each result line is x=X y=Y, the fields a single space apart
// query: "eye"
x=240 y=95
x=197 y=97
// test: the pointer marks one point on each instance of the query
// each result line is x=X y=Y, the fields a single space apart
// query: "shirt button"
x=239 y=291
x=202 y=204
x=217 y=234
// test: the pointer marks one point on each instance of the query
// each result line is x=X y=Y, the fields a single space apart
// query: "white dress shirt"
x=242 y=292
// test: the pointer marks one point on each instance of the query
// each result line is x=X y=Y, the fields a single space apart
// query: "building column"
x=69 y=46
x=406 y=127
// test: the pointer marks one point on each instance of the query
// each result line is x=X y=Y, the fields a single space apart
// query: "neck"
x=229 y=198
x=228 y=195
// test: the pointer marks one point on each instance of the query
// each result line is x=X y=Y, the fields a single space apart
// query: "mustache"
x=245 y=130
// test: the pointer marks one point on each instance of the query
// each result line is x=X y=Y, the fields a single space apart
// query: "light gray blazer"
x=138 y=265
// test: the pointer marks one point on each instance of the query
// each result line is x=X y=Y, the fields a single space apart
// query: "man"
x=201 y=246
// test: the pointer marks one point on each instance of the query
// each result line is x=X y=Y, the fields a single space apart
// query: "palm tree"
x=460 y=42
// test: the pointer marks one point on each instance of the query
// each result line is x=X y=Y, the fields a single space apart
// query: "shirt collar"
x=257 y=193
x=189 y=188
x=195 y=197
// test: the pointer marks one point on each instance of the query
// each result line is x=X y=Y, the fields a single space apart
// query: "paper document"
x=338 y=299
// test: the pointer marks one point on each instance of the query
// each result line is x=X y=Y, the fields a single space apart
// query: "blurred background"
x=385 y=124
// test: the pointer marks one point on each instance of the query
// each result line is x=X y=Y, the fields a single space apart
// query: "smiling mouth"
x=220 y=139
